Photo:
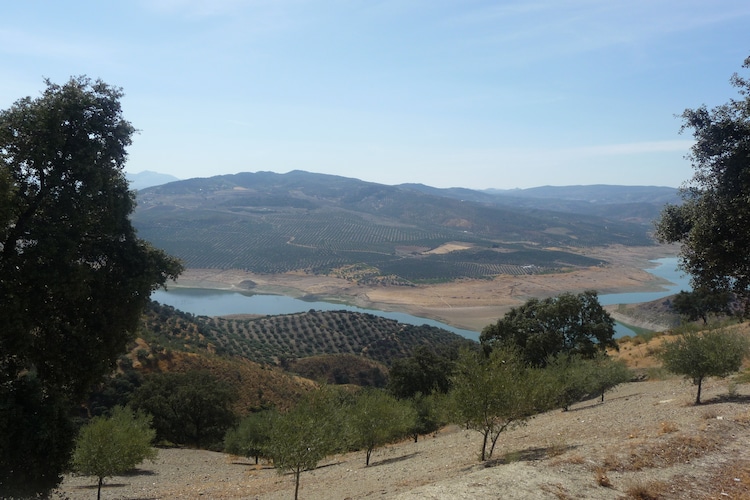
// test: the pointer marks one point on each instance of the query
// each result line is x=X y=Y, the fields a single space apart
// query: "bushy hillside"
x=272 y=223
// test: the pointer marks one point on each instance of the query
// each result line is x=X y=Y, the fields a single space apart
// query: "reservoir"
x=205 y=302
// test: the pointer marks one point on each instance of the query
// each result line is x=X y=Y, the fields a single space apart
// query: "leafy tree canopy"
x=711 y=223
x=188 y=408
x=698 y=355
x=251 y=437
x=423 y=372
x=377 y=418
x=74 y=277
x=493 y=393
x=112 y=446
x=698 y=304
x=543 y=328
x=306 y=434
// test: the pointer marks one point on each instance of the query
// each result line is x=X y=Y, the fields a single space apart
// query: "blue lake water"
x=205 y=302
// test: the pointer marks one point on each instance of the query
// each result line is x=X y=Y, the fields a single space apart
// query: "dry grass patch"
x=646 y=490
x=668 y=427
x=733 y=481
x=678 y=449
x=600 y=473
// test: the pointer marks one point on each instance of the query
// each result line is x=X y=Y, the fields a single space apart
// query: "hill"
x=645 y=441
x=371 y=233
x=277 y=339
x=273 y=360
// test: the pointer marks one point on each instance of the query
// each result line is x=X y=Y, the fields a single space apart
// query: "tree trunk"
x=698 y=397
x=99 y=490
x=484 y=444
x=296 y=483
x=367 y=458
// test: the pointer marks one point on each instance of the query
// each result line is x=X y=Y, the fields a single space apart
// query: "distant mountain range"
x=267 y=222
x=147 y=178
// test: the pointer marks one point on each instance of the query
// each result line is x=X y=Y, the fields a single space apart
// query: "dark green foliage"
x=698 y=355
x=698 y=304
x=74 y=276
x=424 y=372
x=338 y=369
x=114 y=391
x=111 y=446
x=191 y=408
x=430 y=413
x=39 y=424
x=543 y=328
x=251 y=438
x=711 y=223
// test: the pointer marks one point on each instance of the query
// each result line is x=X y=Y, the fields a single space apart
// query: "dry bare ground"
x=645 y=441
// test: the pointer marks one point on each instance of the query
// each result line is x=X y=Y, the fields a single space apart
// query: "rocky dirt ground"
x=646 y=440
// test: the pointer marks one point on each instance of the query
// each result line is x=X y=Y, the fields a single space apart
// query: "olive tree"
x=711 y=222
x=306 y=434
x=74 y=276
x=698 y=355
x=252 y=436
x=377 y=418
x=110 y=446
x=493 y=393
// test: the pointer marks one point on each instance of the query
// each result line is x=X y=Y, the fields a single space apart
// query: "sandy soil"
x=468 y=304
x=645 y=438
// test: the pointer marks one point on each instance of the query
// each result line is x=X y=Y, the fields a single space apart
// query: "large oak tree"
x=74 y=276
x=571 y=324
x=711 y=224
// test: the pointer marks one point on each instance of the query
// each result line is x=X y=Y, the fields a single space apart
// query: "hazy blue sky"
x=476 y=94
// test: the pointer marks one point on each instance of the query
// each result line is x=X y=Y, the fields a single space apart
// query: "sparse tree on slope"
x=698 y=355
x=306 y=434
x=252 y=436
x=377 y=418
x=492 y=394
x=110 y=446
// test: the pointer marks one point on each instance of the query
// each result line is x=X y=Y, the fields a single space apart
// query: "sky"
x=477 y=94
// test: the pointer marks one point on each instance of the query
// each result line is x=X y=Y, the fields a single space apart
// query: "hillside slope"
x=273 y=223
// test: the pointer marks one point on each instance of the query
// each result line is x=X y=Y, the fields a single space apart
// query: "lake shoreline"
x=465 y=304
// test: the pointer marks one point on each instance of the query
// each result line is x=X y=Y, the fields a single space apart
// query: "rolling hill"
x=272 y=223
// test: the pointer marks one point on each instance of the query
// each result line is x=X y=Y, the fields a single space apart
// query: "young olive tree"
x=493 y=393
x=698 y=355
x=377 y=418
x=74 y=276
x=306 y=434
x=252 y=436
x=110 y=446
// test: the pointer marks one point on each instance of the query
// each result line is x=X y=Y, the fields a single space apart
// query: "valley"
x=467 y=303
